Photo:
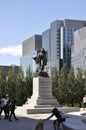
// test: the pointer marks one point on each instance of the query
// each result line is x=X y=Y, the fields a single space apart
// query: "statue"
x=41 y=60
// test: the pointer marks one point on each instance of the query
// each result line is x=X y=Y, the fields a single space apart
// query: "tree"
x=79 y=86
x=11 y=85
x=84 y=82
x=2 y=83
x=71 y=88
x=29 y=80
x=63 y=85
x=20 y=88
x=55 y=84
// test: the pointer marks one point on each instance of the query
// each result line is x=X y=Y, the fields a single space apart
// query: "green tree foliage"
x=71 y=88
x=2 y=83
x=66 y=87
x=79 y=86
x=23 y=86
x=84 y=82
x=20 y=88
x=11 y=84
x=29 y=80
x=55 y=84
x=63 y=85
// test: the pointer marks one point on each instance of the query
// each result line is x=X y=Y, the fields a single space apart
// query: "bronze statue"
x=41 y=60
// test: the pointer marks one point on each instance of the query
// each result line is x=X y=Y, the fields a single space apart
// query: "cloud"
x=11 y=50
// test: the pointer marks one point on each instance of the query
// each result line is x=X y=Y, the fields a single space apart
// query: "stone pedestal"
x=42 y=92
x=42 y=98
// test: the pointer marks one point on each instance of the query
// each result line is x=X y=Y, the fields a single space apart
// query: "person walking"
x=12 y=110
x=3 y=105
x=6 y=109
x=7 y=106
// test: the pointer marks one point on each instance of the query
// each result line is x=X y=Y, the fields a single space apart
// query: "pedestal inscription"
x=42 y=92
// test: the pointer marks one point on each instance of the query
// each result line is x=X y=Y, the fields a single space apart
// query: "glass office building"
x=56 y=40
x=46 y=46
x=67 y=38
x=60 y=37
x=27 y=61
x=55 y=44
x=30 y=49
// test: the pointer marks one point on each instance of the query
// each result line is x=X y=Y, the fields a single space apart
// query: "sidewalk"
x=25 y=122
x=75 y=121
x=29 y=121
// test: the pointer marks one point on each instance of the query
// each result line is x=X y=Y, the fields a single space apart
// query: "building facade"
x=30 y=48
x=60 y=36
x=6 y=70
x=56 y=40
x=55 y=45
x=67 y=38
x=46 y=46
x=79 y=50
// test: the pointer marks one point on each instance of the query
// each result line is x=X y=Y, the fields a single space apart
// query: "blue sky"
x=21 y=19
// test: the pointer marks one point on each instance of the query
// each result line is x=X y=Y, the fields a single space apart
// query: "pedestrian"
x=59 y=118
x=84 y=101
x=12 y=111
x=6 y=109
x=2 y=105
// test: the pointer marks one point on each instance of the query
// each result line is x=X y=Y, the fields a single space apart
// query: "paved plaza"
x=74 y=121
x=25 y=122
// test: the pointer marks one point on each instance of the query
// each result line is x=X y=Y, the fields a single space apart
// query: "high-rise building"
x=47 y=47
x=79 y=50
x=56 y=40
x=60 y=36
x=29 y=50
x=67 y=38
x=55 y=44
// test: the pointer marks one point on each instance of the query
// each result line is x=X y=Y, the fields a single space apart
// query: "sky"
x=21 y=19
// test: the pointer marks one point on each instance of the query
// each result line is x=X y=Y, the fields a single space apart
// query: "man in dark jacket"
x=12 y=110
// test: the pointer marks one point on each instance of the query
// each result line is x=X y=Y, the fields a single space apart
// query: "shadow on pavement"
x=24 y=123
x=74 y=122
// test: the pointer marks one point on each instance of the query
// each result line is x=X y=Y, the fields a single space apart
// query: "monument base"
x=42 y=99
x=47 y=109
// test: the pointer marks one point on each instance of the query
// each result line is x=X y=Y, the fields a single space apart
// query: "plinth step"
x=47 y=106
x=41 y=110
